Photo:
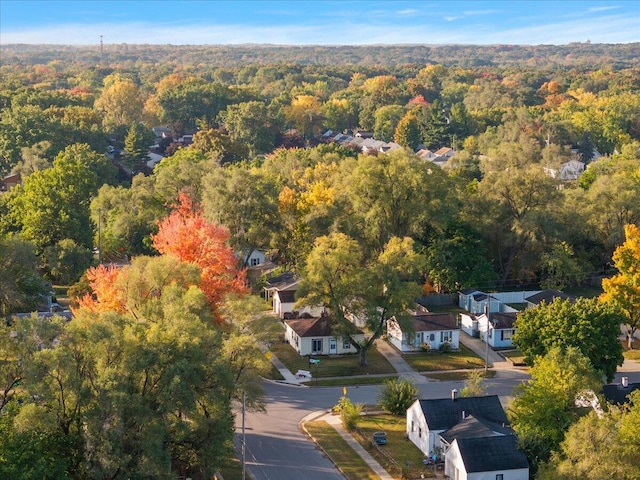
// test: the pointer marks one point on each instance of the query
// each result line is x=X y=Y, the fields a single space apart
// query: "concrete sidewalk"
x=334 y=421
x=401 y=366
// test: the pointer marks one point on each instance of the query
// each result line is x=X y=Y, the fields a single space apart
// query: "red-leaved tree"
x=187 y=236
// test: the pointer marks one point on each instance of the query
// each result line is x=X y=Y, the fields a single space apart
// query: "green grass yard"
x=333 y=366
x=434 y=361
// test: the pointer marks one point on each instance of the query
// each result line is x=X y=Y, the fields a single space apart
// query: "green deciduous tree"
x=585 y=324
x=397 y=395
x=21 y=285
x=545 y=407
x=599 y=446
x=337 y=277
x=249 y=123
x=53 y=204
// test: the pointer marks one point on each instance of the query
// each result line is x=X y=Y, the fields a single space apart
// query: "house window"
x=297 y=341
x=506 y=334
x=413 y=427
x=346 y=345
x=445 y=336
x=432 y=337
x=499 y=476
x=420 y=432
x=255 y=261
x=316 y=345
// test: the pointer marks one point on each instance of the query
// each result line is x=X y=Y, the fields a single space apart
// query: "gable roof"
x=548 y=296
x=503 y=320
x=472 y=427
x=617 y=393
x=443 y=151
x=313 y=327
x=490 y=454
x=282 y=280
x=444 y=413
x=427 y=322
x=286 y=296
x=468 y=291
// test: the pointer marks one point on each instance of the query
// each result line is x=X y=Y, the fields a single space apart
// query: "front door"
x=333 y=346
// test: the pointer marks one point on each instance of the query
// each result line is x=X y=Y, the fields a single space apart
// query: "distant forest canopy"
x=575 y=55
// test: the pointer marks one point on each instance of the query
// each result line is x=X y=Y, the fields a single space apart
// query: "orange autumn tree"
x=186 y=235
x=106 y=296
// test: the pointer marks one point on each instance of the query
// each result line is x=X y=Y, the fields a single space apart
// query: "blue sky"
x=319 y=22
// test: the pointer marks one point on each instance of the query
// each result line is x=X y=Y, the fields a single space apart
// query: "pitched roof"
x=467 y=291
x=287 y=296
x=489 y=454
x=548 y=296
x=443 y=151
x=502 y=320
x=472 y=427
x=444 y=413
x=282 y=280
x=426 y=322
x=313 y=327
x=616 y=393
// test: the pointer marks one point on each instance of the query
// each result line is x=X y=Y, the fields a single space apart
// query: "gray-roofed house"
x=547 y=296
x=428 y=419
x=500 y=326
x=471 y=433
x=618 y=393
x=433 y=329
x=480 y=458
x=314 y=336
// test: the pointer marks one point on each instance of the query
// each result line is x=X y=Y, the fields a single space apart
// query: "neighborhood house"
x=428 y=329
x=314 y=336
x=471 y=435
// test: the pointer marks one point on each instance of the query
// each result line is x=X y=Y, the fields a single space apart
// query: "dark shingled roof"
x=491 y=454
x=616 y=393
x=313 y=327
x=282 y=280
x=287 y=296
x=426 y=322
x=444 y=413
x=472 y=427
x=467 y=291
x=548 y=296
x=503 y=320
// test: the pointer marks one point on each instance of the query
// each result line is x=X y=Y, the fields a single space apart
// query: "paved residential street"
x=278 y=449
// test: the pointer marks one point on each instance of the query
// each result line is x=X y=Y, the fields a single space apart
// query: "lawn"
x=631 y=354
x=339 y=451
x=433 y=361
x=515 y=356
x=346 y=381
x=400 y=457
x=338 y=366
x=448 y=376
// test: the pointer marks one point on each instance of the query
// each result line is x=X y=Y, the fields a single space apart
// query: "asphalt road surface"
x=276 y=447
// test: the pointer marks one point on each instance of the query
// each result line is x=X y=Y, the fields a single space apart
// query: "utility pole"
x=101 y=49
x=244 y=458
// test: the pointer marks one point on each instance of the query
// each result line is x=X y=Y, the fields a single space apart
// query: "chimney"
x=625 y=382
x=464 y=415
x=454 y=394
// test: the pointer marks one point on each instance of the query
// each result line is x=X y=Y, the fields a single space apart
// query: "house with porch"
x=427 y=328
x=314 y=336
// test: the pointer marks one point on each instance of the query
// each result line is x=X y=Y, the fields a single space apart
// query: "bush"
x=349 y=413
x=445 y=347
x=397 y=395
x=425 y=347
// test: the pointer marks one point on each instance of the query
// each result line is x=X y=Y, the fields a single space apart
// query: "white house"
x=433 y=329
x=314 y=336
x=428 y=419
x=284 y=303
x=500 y=326
x=495 y=457
x=470 y=434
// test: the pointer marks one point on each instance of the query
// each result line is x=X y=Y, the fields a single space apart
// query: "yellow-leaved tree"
x=623 y=289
